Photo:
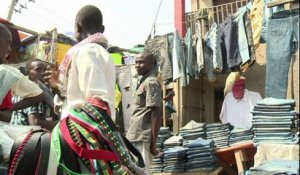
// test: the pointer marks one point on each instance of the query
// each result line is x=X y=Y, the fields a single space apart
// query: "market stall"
x=206 y=92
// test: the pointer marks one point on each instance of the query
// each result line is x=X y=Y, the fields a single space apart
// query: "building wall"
x=220 y=2
x=197 y=4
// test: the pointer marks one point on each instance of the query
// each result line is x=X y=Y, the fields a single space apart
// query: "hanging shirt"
x=237 y=112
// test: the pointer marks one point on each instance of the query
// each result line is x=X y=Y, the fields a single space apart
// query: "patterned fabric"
x=20 y=117
x=91 y=134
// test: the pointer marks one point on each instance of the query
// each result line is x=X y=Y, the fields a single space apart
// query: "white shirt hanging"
x=237 y=112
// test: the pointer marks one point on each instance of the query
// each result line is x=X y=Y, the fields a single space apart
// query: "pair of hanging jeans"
x=282 y=42
x=160 y=48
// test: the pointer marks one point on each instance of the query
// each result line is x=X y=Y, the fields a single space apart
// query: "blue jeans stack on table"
x=157 y=163
x=163 y=135
x=174 y=155
x=172 y=142
x=273 y=121
x=240 y=135
x=174 y=160
x=271 y=167
x=219 y=133
x=200 y=155
x=192 y=130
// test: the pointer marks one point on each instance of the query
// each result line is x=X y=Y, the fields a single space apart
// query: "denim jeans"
x=178 y=60
x=256 y=108
x=192 y=125
x=272 y=118
x=283 y=40
x=157 y=165
x=194 y=130
x=199 y=150
x=267 y=14
x=199 y=48
x=240 y=19
x=207 y=148
x=275 y=102
x=189 y=55
x=175 y=150
x=270 y=167
x=176 y=168
x=238 y=131
x=249 y=33
x=159 y=47
x=212 y=40
x=229 y=44
x=275 y=114
x=199 y=143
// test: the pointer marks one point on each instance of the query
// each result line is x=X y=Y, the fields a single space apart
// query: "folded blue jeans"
x=270 y=102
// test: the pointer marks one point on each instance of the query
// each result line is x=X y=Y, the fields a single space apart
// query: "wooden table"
x=215 y=172
x=238 y=154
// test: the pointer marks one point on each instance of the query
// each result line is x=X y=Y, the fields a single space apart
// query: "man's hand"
x=153 y=150
x=51 y=76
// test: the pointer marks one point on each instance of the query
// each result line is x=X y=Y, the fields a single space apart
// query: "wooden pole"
x=11 y=10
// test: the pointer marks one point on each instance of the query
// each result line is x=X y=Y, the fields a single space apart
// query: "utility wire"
x=153 y=26
x=53 y=23
x=37 y=15
x=60 y=17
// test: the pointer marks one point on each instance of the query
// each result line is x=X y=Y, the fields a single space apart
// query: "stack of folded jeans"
x=219 y=133
x=192 y=131
x=273 y=121
x=240 y=135
x=175 y=159
x=270 y=167
x=157 y=165
x=172 y=142
x=200 y=155
x=163 y=135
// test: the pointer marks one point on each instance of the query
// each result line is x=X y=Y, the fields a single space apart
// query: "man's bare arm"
x=26 y=102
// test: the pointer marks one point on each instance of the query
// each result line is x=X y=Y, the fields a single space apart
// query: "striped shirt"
x=20 y=117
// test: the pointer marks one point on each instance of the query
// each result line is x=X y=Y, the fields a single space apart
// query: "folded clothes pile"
x=271 y=167
x=175 y=159
x=192 y=131
x=219 y=133
x=273 y=121
x=240 y=135
x=163 y=135
x=200 y=155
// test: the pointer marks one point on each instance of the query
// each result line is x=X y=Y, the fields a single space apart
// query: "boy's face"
x=36 y=70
